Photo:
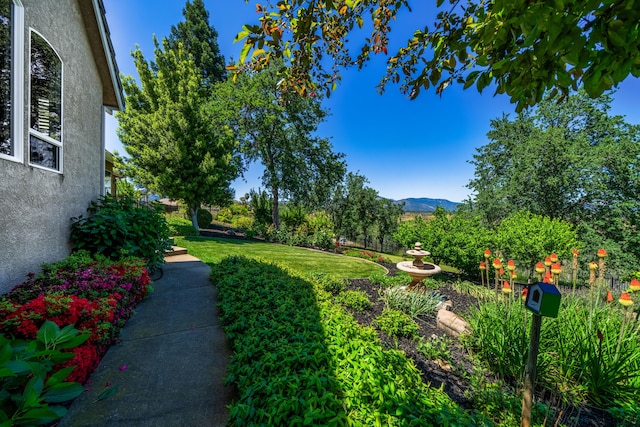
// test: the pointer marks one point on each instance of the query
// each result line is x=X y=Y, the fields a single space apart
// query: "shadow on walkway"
x=169 y=368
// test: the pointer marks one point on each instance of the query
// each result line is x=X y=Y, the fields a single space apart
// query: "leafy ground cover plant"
x=395 y=323
x=34 y=373
x=355 y=300
x=120 y=227
x=301 y=359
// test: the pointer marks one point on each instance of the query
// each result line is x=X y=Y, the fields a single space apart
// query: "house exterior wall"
x=36 y=205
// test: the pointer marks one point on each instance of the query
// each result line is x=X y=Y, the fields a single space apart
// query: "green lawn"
x=212 y=250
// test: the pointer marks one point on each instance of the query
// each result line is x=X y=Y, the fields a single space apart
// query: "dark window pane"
x=46 y=89
x=43 y=154
x=6 y=147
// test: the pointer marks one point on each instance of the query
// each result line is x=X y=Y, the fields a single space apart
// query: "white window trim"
x=17 y=78
x=39 y=135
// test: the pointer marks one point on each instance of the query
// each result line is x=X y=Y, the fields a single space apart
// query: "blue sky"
x=405 y=148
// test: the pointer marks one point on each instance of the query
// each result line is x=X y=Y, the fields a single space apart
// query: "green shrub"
x=242 y=222
x=225 y=215
x=204 y=218
x=328 y=283
x=381 y=279
x=413 y=303
x=355 y=300
x=436 y=348
x=180 y=227
x=119 y=228
x=395 y=323
x=323 y=239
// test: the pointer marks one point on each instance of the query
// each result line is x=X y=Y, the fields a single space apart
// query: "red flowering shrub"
x=96 y=296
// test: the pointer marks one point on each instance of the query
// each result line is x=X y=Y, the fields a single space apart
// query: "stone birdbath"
x=418 y=269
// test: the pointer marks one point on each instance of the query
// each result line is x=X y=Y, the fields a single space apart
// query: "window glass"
x=45 y=104
x=6 y=145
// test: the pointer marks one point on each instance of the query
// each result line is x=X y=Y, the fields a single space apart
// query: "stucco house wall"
x=36 y=204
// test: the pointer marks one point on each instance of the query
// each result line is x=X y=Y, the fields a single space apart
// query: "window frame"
x=39 y=135
x=17 y=83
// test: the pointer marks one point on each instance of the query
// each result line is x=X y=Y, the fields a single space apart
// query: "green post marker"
x=543 y=299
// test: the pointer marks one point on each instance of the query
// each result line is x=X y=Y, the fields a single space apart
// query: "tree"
x=569 y=161
x=277 y=129
x=178 y=144
x=388 y=219
x=200 y=40
x=524 y=48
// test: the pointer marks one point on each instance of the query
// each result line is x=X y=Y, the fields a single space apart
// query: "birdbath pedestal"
x=418 y=269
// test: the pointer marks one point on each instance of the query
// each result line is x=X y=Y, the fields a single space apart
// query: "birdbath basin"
x=418 y=269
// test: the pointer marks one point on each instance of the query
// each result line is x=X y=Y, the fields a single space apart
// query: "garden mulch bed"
x=451 y=375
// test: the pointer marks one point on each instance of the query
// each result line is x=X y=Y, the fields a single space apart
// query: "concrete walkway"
x=169 y=367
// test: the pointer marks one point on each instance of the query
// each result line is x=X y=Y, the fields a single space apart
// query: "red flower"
x=539 y=267
x=511 y=265
x=497 y=264
x=575 y=252
x=601 y=253
x=593 y=265
x=609 y=296
x=625 y=299
x=547 y=261
x=556 y=268
x=487 y=253
x=506 y=288
x=547 y=278
x=525 y=291
x=482 y=266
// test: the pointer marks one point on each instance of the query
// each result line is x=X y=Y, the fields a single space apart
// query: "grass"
x=213 y=250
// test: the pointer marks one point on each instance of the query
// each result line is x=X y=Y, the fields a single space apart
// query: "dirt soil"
x=451 y=375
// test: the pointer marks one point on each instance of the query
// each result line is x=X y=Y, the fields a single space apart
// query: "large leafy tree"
x=179 y=141
x=278 y=130
x=523 y=47
x=569 y=161
x=176 y=145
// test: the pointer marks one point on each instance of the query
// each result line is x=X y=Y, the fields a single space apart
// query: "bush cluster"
x=120 y=227
x=300 y=359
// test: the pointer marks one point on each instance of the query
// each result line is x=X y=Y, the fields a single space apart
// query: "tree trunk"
x=275 y=215
x=193 y=213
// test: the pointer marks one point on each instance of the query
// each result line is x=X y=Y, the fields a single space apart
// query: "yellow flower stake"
x=497 y=265
x=487 y=255
x=601 y=256
x=556 y=269
x=483 y=267
x=626 y=302
x=547 y=264
x=540 y=271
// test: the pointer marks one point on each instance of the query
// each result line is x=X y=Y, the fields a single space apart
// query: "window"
x=45 y=112
x=11 y=79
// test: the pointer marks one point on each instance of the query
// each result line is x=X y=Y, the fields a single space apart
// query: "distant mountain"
x=425 y=204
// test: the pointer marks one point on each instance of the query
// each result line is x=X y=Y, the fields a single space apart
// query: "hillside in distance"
x=425 y=204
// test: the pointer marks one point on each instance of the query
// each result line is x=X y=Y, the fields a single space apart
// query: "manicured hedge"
x=300 y=359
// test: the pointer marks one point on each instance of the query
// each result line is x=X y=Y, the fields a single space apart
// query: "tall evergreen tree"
x=200 y=40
